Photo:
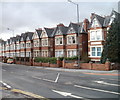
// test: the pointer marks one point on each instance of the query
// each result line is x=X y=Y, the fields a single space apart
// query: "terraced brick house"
x=17 y=51
x=72 y=38
x=23 y=47
x=37 y=43
x=29 y=45
x=97 y=34
x=47 y=42
x=60 y=40
x=7 y=48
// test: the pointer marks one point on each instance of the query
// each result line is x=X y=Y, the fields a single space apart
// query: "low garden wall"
x=73 y=65
x=91 y=66
x=45 y=64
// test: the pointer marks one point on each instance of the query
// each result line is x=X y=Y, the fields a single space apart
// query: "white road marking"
x=105 y=83
x=6 y=85
x=97 y=89
x=66 y=94
x=110 y=79
x=36 y=77
x=43 y=79
x=57 y=78
x=48 y=80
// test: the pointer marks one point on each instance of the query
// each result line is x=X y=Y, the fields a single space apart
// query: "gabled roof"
x=24 y=36
x=29 y=35
x=114 y=13
x=39 y=31
x=106 y=21
x=49 y=31
x=2 y=41
x=75 y=27
x=13 y=39
x=108 y=18
x=8 y=41
x=18 y=38
x=100 y=19
x=63 y=30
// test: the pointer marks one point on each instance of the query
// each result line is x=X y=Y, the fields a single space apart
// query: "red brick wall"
x=45 y=64
x=53 y=65
x=92 y=66
x=84 y=41
x=70 y=66
x=85 y=65
x=59 y=47
x=98 y=66
x=72 y=46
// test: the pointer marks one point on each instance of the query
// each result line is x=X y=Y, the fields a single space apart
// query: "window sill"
x=95 y=56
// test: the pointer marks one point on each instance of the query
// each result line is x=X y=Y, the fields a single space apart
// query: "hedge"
x=51 y=60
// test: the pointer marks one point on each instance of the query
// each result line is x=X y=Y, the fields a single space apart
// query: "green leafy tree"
x=112 y=46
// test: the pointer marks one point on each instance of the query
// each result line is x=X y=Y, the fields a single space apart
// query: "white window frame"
x=71 y=51
x=95 y=51
x=44 y=42
x=58 y=40
x=59 y=53
x=70 y=40
x=97 y=33
x=36 y=43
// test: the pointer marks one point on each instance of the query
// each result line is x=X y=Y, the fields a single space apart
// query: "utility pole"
x=78 y=39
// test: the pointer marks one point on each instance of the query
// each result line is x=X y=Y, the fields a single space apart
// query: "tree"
x=112 y=46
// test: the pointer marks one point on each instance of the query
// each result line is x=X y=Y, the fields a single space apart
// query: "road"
x=46 y=82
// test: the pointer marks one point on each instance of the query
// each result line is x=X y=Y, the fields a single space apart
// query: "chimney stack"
x=86 y=23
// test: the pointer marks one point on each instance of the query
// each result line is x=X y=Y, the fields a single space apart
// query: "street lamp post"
x=14 y=54
x=77 y=30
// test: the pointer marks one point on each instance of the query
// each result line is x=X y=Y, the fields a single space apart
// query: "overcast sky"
x=28 y=16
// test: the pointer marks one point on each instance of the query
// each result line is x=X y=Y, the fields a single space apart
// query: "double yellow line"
x=32 y=95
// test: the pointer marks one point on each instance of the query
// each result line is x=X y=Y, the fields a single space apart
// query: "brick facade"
x=61 y=41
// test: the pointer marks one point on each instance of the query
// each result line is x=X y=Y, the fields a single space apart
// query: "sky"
x=23 y=16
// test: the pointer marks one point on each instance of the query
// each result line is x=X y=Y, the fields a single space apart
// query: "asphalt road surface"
x=43 y=82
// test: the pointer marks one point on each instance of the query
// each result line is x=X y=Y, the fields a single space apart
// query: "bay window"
x=59 y=53
x=96 y=51
x=96 y=35
x=71 y=53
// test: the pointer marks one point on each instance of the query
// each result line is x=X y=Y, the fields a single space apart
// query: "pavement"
x=82 y=70
x=6 y=93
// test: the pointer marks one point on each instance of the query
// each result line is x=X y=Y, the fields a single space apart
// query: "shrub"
x=51 y=60
x=71 y=58
x=61 y=58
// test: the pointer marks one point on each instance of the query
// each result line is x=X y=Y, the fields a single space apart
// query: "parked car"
x=10 y=61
